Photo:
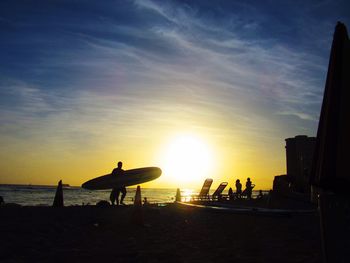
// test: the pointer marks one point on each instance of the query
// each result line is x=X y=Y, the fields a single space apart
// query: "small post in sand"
x=137 y=214
x=58 y=201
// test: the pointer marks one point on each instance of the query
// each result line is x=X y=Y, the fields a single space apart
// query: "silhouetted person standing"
x=238 y=188
x=248 y=188
x=114 y=197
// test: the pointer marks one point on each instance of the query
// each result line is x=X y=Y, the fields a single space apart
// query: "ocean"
x=29 y=195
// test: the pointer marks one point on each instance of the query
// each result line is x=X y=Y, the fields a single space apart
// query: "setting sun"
x=187 y=158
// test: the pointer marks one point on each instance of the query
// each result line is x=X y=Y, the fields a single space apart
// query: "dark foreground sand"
x=170 y=234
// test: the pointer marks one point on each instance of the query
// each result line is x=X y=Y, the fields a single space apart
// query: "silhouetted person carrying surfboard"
x=114 y=197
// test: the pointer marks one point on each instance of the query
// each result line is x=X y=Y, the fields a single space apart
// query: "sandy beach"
x=169 y=234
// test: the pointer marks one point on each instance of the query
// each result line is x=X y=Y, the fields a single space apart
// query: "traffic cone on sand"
x=178 y=195
x=137 y=213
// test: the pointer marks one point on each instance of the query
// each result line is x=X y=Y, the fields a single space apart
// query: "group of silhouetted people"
x=239 y=193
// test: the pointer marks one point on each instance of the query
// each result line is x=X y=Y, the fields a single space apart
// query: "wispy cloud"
x=199 y=64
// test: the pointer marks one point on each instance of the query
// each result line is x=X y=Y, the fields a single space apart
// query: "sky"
x=84 y=84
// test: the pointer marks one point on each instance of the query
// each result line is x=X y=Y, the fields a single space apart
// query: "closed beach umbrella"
x=330 y=170
x=58 y=201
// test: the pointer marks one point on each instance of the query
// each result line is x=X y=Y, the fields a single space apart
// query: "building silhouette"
x=299 y=153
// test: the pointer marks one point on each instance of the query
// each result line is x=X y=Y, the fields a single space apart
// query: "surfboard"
x=128 y=178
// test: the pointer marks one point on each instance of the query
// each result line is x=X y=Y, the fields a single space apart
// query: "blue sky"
x=79 y=76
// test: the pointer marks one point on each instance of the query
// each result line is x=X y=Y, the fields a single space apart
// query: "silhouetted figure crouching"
x=145 y=201
x=230 y=194
x=114 y=196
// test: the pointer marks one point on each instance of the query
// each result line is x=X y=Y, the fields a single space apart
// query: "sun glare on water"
x=187 y=159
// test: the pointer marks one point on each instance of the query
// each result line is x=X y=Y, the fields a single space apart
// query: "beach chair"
x=217 y=194
x=204 y=193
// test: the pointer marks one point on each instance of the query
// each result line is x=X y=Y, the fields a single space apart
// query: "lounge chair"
x=204 y=193
x=217 y=194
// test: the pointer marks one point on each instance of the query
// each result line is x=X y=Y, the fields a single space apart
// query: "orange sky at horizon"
x=227 y=163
